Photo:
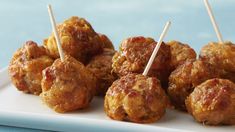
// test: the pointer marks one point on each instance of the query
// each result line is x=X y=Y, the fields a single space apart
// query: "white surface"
x=24 y=110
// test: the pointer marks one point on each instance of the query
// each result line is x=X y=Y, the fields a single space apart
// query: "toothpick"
x=57 y=38
x=211 y=15
x=146 y=70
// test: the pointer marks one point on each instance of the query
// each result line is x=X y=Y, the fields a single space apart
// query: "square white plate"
x=25 y=110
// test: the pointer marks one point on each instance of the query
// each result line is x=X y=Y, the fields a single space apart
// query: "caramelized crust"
x=101 y=66
x=106 y=42
x=213 y=102
x=134 y=55
x=186 y=77
x=68 y=85
x=135 y=98
x=222 y=56
x=78 y=39
x=180 y=53
x=25 y=68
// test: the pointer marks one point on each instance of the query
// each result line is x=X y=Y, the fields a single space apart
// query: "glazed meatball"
x=78 y=39
x=186 y=77
x=213 y=102
x=134 y=55
x=135 y=98
x=67 y=85
x=26 y=65
x=228 y=75
x=222 y=56
x=180 y=53
x=101 y=66
x=106 y=42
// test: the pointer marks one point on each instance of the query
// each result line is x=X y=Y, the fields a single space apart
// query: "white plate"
x=24 y=110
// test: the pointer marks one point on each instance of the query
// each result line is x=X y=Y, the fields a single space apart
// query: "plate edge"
x=4 y=77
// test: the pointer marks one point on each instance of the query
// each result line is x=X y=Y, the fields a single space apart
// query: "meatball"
x=26 y=65
x=67 y=85
x=106 y=42
x=186 y=77
x=228 y=75
x=134 y=55
x=222 y=56
x=213 y=102
x=78 y=39
x=136 y=98
x=180 y=53
x=101 y=66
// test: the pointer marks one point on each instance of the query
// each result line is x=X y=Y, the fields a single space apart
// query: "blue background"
x=22 y=20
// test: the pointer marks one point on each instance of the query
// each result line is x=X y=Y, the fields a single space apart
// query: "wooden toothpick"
x=146 y=70
x=211 y=15
x=57 y=38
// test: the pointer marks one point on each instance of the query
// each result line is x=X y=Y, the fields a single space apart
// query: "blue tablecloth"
x=23 y=20
x=17 y=129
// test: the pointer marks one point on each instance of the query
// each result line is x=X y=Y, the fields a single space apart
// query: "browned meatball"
x=213 y=102
x=78 y=39
x=134 y=55
x=135 y=98
x=228 y=75
x=106 y=41
x=25 y=68
x=101 y=66
x=180 y=53
x=222 y=56
x=186 y=77
x=67 y=85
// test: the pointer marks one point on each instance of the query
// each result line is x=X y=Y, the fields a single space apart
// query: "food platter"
x=25 y=110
